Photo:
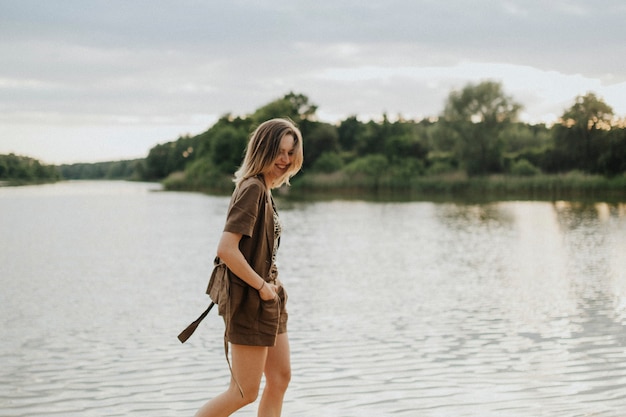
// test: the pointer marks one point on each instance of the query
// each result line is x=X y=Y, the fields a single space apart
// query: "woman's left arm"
x=228 y=251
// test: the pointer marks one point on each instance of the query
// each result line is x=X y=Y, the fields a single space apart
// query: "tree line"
x=22 y=169
x=115 y=170
x=477 y=134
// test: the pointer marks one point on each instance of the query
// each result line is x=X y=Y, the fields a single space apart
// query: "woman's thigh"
x=248 y=363
x=278 y=363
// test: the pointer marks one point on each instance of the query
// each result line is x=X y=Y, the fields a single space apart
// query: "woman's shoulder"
x=252 y=186
x=253 y=183
x=256 y=181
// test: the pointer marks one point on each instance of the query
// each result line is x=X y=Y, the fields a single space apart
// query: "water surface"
x=396 y=309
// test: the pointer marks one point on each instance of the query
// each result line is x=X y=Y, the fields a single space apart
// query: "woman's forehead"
x=287 y=142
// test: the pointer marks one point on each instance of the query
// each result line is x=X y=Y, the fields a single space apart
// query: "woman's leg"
x=277 y=377
x=248 y=363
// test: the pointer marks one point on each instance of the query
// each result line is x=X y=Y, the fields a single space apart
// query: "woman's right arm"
x=228 y=251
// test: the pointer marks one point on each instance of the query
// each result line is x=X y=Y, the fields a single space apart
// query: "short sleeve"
x=244 y=208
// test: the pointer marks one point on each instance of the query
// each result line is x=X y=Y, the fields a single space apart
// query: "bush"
x=523 y=168
x=200 y=175
x=404 y=168
x=328 y=162
x=371 y=165
x=440 y=167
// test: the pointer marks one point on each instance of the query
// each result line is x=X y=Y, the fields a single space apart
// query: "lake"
x=396 y=308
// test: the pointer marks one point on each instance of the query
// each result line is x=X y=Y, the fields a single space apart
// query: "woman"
x=256 y=320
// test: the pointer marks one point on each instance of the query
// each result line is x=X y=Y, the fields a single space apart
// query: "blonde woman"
x=256 y=318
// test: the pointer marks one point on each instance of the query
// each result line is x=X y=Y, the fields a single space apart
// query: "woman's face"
x=281 y=164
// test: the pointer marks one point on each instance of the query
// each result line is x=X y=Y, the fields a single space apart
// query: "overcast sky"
x=97 y=80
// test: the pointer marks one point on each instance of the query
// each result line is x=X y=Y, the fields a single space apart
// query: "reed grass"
x=179 y=181
x=452 y=185
x=458 y=184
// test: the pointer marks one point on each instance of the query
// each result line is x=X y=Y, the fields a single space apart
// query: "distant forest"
x=477 y=135
x=24 y=170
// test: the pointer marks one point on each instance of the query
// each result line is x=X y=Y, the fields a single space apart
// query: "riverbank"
x=20 y=182
x=451 y=186
x=573 y=185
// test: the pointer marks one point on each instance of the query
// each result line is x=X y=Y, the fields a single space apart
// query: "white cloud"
x=112 y=69
x=545 y=94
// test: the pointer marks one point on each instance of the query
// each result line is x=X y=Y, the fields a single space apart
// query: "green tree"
x=156 y=162
x=582 y=129
x=293 y=106
x=23 y=169
x=519 y=137
x=372 y=139
x=612 y=159
x=524 y=168
x=163 y=159
x=371 y=166
x=203 y=141
x=227 y=148
x=350 y=133
x=404 y=146
x=328 y=162
x=321 y=138
x=478 y=114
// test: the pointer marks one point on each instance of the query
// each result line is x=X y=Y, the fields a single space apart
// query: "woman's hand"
x=268 y=292
x=228 y=251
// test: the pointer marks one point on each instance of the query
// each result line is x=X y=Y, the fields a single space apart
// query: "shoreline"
x=452 y=187
x=318 y=187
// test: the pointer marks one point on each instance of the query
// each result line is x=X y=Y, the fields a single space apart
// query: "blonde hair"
x=264 y=147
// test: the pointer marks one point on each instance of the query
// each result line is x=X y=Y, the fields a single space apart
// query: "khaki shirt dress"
x=249 y=319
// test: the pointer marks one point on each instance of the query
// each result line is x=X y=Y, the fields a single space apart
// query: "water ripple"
x=401 y=309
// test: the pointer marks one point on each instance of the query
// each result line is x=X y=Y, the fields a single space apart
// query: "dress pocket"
x=269 y=316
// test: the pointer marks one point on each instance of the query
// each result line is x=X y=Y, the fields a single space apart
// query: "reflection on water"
x=403 y=309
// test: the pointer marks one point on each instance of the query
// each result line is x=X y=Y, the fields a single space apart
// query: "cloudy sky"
x=97 y=80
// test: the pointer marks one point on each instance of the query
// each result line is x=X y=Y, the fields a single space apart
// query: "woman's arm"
x=228 y=251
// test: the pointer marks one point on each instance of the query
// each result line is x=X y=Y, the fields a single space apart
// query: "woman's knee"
x=279 y=379
x=248 y=394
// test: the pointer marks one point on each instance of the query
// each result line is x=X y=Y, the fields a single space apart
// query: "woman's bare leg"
x=277 y=377
x=248 y=363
